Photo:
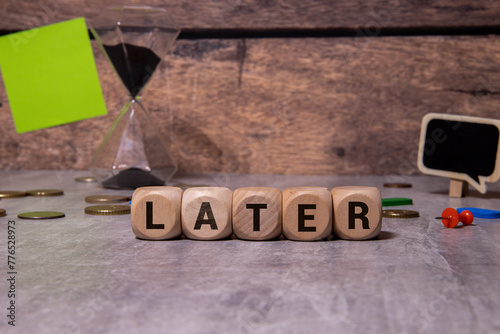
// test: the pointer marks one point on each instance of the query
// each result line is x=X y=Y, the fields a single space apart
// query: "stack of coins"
x=100 y=199
x=107 y=210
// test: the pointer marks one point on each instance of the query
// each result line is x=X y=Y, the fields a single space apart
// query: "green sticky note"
x=50 y=76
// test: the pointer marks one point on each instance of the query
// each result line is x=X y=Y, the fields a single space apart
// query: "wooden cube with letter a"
x=357 y=212
x=257 y=213
x=307 y=213
x=156 y=212
x=206 y=213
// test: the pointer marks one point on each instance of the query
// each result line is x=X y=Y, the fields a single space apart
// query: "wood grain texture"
x=286 y=106
x=270 y=14
x=257 y=213
x=206 y=213
x=307 y=213
x=357 y=212
x=458 y=188
x=165 y=211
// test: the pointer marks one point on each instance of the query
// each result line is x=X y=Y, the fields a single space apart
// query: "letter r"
x=362 y=215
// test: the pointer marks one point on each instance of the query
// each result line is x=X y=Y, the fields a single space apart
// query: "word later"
x=257 y=213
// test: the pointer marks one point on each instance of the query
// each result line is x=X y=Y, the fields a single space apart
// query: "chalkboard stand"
x=458 y=188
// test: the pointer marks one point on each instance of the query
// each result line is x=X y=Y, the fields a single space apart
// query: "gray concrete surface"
x=88 y=274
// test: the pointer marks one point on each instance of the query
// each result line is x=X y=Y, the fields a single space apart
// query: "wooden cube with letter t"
x=307 y=213
x=156 y=212
x=257 y=213
x=357 y=212
x=206 y=213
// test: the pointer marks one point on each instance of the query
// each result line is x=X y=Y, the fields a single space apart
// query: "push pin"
x=450 y=217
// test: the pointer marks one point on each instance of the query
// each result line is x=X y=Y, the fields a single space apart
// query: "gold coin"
x=106 y=199
x=45 y=192
x=400 y=214
x=398 y=185
x=11 y=194
x=85 y=179
x=41 y=215
x=3 y=213
x=107 y=210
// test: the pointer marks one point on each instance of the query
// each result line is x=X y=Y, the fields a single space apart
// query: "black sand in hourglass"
x=134 y=64
x=132 y=178
x=134 y=152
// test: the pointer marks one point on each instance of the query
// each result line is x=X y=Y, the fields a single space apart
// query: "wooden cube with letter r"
x=257 y=213
x=357 y=212
x=307 y=213
x=156 y=212
x=206 y=213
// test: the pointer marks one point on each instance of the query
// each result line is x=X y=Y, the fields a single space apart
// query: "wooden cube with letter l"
x=257 y=213
x=307 y=213
x=206 y=213
x=156 y=212
x=357 y=212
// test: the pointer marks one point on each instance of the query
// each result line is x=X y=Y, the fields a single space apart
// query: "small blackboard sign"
x=461 y=148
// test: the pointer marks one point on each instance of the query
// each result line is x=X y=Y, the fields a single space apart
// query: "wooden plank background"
x=332 y=105
x=268 y=14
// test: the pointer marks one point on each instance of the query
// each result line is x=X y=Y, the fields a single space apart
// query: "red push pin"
x=450 y=217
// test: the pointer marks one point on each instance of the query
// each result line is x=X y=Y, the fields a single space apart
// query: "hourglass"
x=133 y=153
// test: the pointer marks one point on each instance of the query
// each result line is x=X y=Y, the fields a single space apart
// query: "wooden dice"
x=257 y=213
x=357 y=212
x=156 y=212
x=206 y=213
x=307 y=213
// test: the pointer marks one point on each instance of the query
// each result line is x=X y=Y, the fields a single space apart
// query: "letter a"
x=205 y=208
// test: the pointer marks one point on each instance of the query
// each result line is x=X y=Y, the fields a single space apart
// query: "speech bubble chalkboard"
x=460 y=147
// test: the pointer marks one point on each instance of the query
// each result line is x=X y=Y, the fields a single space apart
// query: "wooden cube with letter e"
x=357 y=212
x=156 y=212
x=206 y=213
x=257 y=213
x=307 y=213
